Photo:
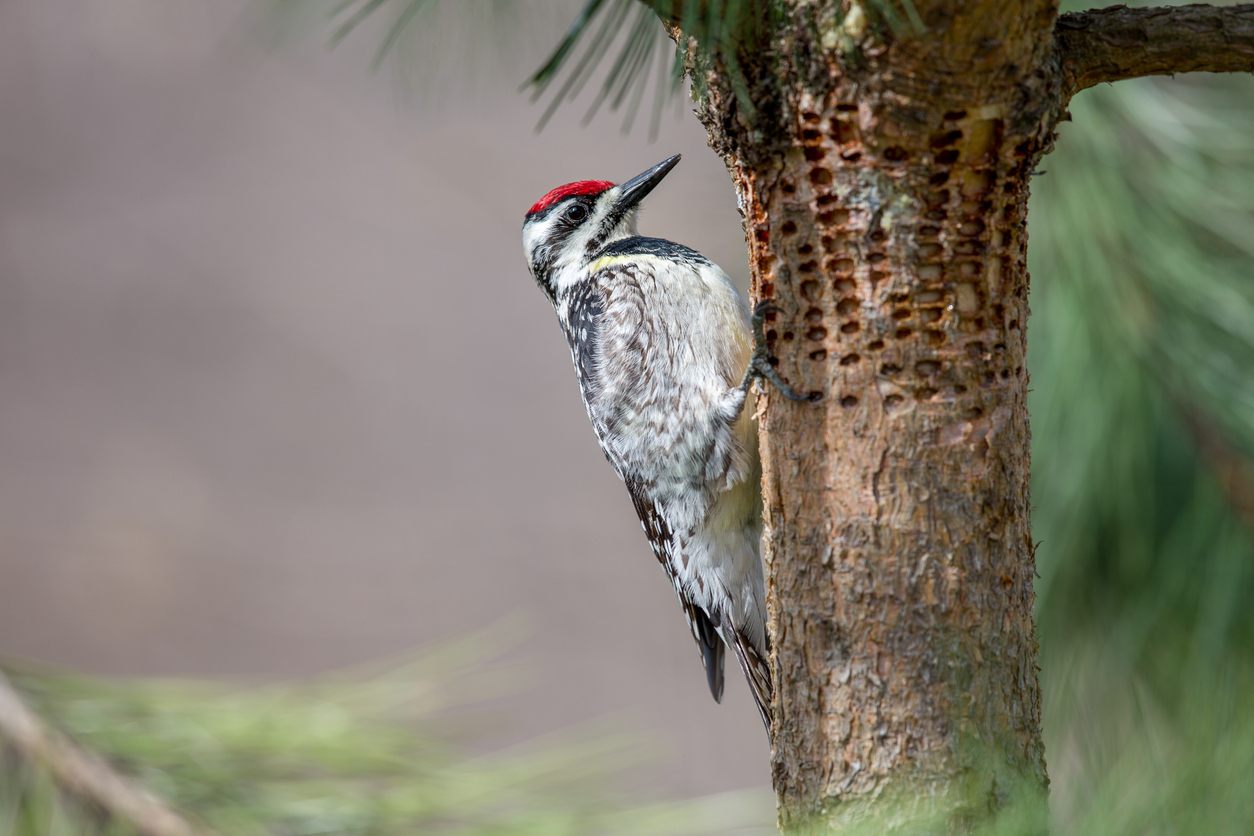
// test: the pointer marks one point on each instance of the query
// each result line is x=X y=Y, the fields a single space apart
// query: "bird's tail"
x=757 y=670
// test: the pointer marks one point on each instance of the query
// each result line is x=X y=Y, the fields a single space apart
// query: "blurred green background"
x=1141 y=346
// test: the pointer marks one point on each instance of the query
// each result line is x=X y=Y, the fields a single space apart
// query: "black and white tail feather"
x=756 y=667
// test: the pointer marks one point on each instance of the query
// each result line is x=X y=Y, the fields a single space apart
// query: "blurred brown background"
x=278 y=392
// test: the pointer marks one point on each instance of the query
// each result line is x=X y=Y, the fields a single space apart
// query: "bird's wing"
x=585 y=309
x=608 y=376
x=699 y=621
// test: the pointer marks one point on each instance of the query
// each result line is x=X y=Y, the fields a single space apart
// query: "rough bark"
x=883 y=172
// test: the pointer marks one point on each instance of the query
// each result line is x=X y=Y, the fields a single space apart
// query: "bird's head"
x=572 y=223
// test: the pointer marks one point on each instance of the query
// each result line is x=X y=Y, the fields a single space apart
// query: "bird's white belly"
x=720 y=564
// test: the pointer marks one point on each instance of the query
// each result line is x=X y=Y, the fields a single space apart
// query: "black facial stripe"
x=607 y=226
x=541 y=215
x=588 y=201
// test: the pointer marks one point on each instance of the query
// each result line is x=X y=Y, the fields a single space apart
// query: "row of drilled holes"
x=843 y=131
x=971 y=229
x=925 y=368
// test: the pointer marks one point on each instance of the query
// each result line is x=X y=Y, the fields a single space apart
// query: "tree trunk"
x=889 y=228
x=883 y=174
x=898 y=552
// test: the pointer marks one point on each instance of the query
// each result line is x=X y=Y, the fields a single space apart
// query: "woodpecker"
x=665 y=350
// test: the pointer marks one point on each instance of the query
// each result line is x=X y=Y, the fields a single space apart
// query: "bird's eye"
x=575 y=213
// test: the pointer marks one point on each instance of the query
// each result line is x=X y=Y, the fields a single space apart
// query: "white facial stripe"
x=536 y=233
x=572 y=253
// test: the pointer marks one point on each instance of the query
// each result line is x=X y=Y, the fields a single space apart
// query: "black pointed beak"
x=634 y=190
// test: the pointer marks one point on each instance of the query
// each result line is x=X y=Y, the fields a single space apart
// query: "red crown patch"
x=580 y=187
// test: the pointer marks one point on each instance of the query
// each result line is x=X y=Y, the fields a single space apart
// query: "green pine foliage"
x=359 y=753
x=618 y=48
x=1141 y=349
x=1141 y=353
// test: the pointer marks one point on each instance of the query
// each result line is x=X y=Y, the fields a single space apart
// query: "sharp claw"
x=767 y=372
x=760 y=364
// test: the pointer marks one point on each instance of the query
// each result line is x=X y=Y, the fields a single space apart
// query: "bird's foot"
x=760 y=362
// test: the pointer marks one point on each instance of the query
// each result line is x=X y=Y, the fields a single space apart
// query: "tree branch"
x=1111 y=44
x=82 y=774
